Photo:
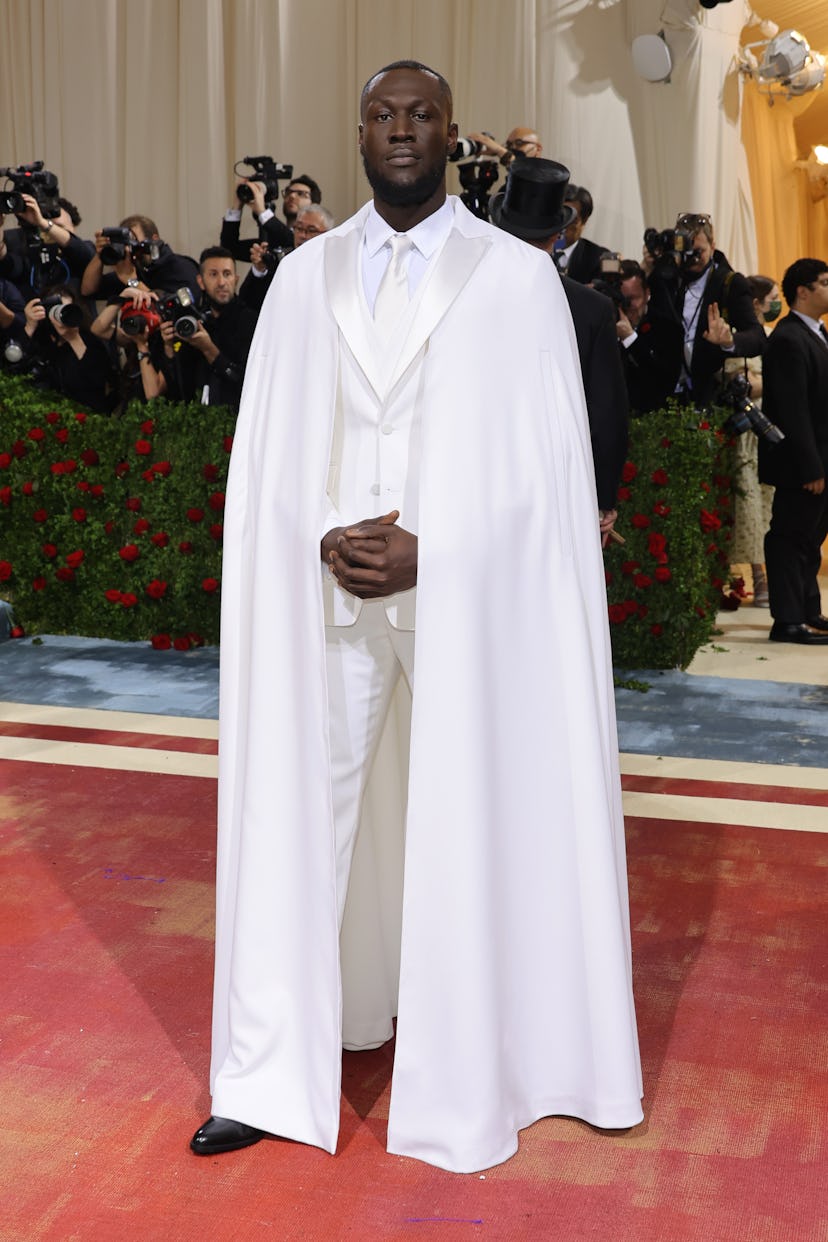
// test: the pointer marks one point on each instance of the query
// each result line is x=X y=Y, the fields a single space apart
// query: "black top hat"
x=532 y=204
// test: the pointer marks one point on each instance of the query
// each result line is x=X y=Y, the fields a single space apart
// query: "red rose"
x=62 y=435
x=148 y=427
x=156 y=589
x=659 y=477
x=640 y=521
x=629 y=472
x=216 y=530
x=185 y=547
x=705 y=487
x=89 y=457
x=129 y=552
x=113 y=595
x=5 y=495
x=607 y=577
x=133 y=503
x=79 y=515
x=5 y=461
x=74 y=558
x=36 y=433
x=196 y=640
x=161 y=539
x=228 y=443
x=143 y=447
x=5 y=570
x=617 y=613
x=109 y=527
x=80 y=417
x=28 y=489
x=630 y=607
x=661 y=510
x=121 y=469
x=141 y=526
x=182 y=643
x=19 y=449
x=642 y=580
x=65 y=574
x=128 y=600
x=662 y=574
x=40 y=515
x=642 y=610
x=161 y=642
x=96 y=490
x=704 y=426
x=629 y=567
x=17 y=631
x=708 y=521
x=216 y=501
x=38 y=584
x=209 y=585
x=656 y=630
x=58 y=467
x=210 y=473
x=665 y=443
x=49 y=550
x=624 y=493
x=83 y=486
x=195 y=515
x=53 y=417
x=656 y=543
x=148 y=475
x=162 y=467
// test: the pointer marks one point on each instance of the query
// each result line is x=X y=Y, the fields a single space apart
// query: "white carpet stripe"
x=92 y=718
x=738 y=773
x=117 y=758
x=727 y=811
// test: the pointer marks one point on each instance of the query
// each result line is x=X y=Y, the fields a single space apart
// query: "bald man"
x=521 y=142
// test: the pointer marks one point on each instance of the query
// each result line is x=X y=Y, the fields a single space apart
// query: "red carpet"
x=106 y=960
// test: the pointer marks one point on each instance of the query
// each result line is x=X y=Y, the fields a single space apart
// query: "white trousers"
x=364 y=663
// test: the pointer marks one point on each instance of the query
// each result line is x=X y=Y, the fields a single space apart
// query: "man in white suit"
x=377 y=444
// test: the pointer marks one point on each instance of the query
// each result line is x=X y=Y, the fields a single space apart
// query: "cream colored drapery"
x=146 y=107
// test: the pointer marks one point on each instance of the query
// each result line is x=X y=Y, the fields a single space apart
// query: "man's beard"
x=411 y=194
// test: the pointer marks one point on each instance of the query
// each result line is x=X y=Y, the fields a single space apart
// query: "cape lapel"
x=452 y=269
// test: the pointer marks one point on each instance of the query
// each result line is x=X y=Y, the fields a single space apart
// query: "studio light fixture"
x=783 y=65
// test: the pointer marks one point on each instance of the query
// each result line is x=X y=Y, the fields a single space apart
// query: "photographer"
x=575 y=256
x=205 y=347
x=43 y=250
x=301 y=191
x=310 y=222
x=62 y=354
x=522 y=143
x=650 y=343
x=693 y=285
x=139 y=259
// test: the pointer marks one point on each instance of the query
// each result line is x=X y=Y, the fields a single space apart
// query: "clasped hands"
x=372 y=558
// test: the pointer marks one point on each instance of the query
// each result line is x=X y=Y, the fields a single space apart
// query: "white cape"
x=512 y=941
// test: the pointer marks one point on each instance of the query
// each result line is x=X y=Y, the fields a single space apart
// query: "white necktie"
x=392 y=295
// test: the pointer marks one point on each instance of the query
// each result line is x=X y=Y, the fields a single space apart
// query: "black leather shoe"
x=818 y=623
x=795 y=634
x=221 y=1134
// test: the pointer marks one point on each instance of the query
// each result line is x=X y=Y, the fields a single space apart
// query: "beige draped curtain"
x=145 y=107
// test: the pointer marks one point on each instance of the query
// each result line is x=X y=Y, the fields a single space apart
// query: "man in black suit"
x=532 y=207
x=577 y=256
x=795 y=397
x=713 y=306
x=651 y=343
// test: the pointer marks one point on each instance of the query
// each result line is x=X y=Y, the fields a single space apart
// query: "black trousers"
x=793 y=551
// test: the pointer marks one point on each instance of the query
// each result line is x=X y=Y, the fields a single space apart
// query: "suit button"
x=375 y=489
x=386 y=429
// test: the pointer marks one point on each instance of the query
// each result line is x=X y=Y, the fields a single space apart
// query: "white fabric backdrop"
x=145 y=107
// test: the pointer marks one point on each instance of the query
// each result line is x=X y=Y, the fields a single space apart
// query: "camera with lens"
x=477 y=180
x=136 y=320
x=266 y=170
x=31 y=179
x=744 y=415
x=672 y=245
x=180 y=310
x=67 y=314
x=610 y=285
x=466 y=148
x=117 y=241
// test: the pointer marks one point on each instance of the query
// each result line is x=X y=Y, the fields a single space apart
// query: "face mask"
x=773 y=312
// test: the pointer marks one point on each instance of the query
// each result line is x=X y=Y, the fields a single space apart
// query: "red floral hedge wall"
x=112 y=527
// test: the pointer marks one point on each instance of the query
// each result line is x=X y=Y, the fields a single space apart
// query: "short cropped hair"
x=802 y=272
x=148 y=227
x=215 y=252
x=304 y=179
x=445 y=89
x=326 y=215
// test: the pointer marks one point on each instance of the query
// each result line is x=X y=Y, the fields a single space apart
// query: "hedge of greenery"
x=112 y=527
x=675 y=514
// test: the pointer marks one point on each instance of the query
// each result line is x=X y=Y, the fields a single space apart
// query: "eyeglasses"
x=822 y=280
x=521 y=142
x=307 y=230
x=300 y=191
x=693 y=220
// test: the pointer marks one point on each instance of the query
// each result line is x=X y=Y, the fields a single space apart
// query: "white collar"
x=427 y=236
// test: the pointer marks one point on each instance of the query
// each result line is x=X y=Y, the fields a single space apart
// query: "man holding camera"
x=301 y=191
x=206 y=346
x=44 y=250
x=650 y=343
x=311 y=221
x=698 y=290
x=139 y=259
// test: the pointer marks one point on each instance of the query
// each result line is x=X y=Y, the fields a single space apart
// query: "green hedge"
x=112 y=527
x=675 y=513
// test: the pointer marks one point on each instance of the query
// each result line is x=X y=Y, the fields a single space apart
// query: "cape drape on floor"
x=515 y=996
